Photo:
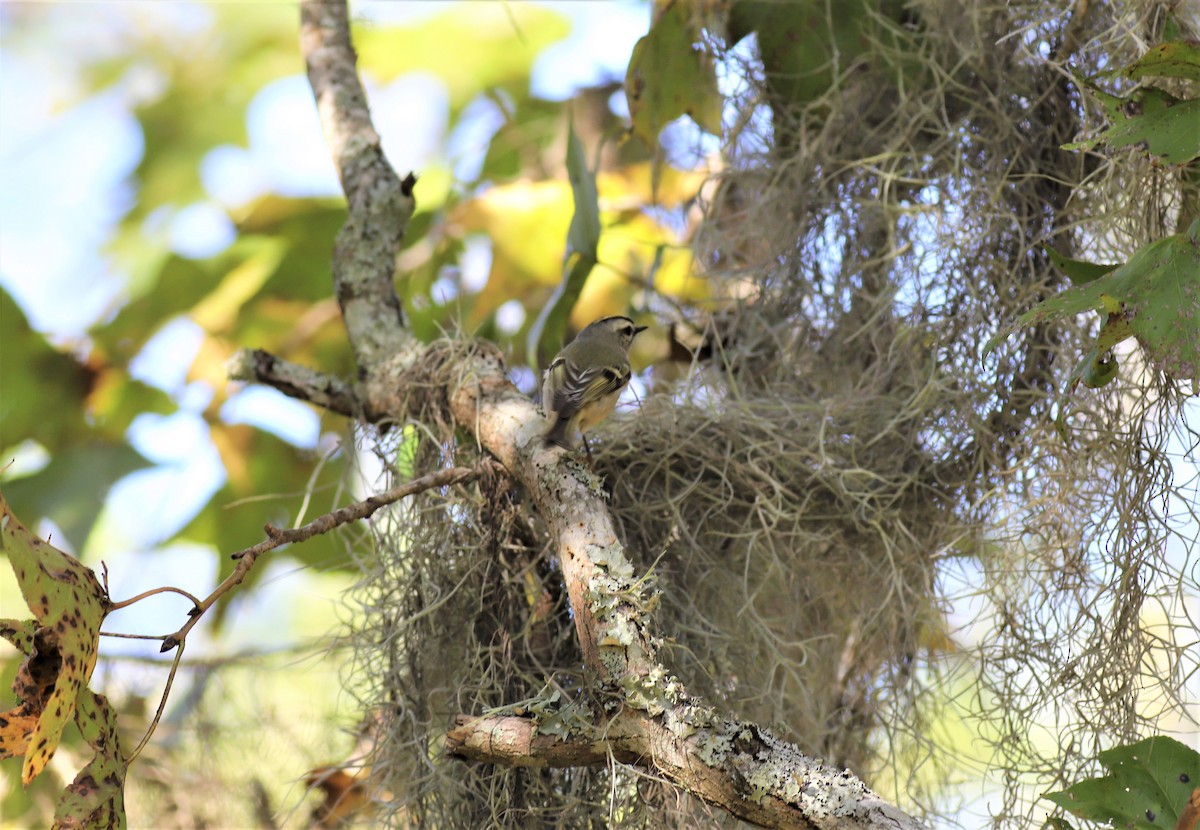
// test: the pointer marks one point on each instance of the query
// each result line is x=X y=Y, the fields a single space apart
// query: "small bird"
x=583 y=382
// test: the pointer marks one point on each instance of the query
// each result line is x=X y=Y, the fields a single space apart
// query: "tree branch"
x=733 y=764
x=296 y=381
x=726 y=762
x=514 y=742
x=380 y=204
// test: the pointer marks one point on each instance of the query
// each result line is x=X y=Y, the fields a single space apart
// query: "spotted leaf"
x=96 y=798
x=69 y=604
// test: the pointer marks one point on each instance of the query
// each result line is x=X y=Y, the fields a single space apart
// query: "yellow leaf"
x=218 y=311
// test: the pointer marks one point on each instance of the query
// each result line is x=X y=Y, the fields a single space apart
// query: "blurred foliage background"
x=169 y=200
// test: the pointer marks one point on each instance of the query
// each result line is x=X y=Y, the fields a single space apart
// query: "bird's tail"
x=557 y=434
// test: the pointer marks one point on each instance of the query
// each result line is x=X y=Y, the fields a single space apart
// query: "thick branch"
x=732 y=764
x=364 y=258
x=514 y=742
x=295 y=381
x=756 y=776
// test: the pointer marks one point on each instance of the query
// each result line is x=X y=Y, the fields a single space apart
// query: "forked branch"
x=648 y=717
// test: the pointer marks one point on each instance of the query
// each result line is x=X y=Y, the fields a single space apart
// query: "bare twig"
x=277 y=537
x=153 y=591
x=322 y=524
x=162 y=705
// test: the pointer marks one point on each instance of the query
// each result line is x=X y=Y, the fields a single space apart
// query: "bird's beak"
x=639 y=329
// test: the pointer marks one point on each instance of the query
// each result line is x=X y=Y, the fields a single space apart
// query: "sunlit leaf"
x=218 y=310
x=494 y=44
x=116 y=399
x=671 y=75
x=528 y=222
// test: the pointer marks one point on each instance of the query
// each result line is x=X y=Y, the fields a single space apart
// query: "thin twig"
x=165 y=589
x=277 y=537
x=322 y=524
x=162 y=705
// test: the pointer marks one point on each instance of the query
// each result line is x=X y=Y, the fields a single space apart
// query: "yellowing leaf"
x=528 y=221
x=17 y=725
x=96 y=798
x=69 y=604
x=676 y=277
x=638 y=185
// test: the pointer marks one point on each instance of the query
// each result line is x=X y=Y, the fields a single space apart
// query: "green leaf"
x=1057 y=823
x=1177 y=59
x=248 y=45
x=1150 y=119
x=1155 y=297
x=583 y=241
x=1099 y=370
x=527 y=132
x=546 y=335
x=583 y=237
x=1148 y=786
x=1078 y=270
x=45 y=391
x=669 y=77
x=806 y=44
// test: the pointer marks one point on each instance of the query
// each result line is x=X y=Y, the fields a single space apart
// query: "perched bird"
x=584 y=381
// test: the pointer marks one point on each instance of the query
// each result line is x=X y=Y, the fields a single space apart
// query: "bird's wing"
x=578 y=384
